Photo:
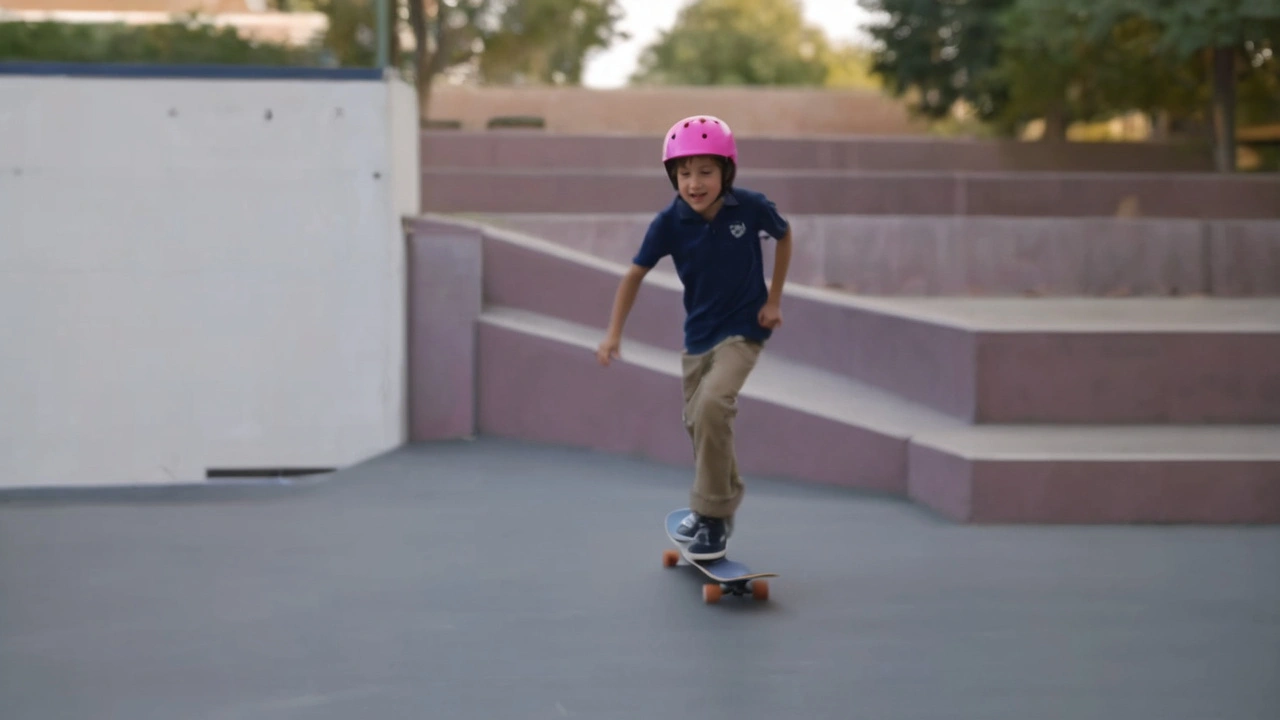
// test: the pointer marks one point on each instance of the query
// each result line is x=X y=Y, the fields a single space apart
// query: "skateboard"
x=730 y=576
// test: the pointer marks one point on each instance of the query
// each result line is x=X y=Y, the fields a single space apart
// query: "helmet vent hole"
x=704 y=136
x=686 y=124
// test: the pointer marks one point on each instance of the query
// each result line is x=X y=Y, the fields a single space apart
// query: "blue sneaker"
x=710 y=540
x=687 y=530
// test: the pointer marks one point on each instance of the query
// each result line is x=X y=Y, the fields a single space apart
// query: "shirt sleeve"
x=771 y=221
x=655 y=245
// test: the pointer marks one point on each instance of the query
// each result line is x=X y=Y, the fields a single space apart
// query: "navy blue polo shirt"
x=720 y=263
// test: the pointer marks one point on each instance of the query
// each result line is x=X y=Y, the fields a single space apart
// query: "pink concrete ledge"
x=1200 y=196
x=454 y=148
x=1076 y=491
x=905 y=255
x=1016 y=374
x=444 y=297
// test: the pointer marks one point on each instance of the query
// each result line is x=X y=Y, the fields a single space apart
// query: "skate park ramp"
x=503 y=579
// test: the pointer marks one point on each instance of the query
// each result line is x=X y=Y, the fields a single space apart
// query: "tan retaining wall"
x=650 y=111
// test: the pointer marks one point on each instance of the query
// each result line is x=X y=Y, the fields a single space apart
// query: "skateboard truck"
x=712 y=592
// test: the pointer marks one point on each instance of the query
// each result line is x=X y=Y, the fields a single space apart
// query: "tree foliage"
x=1190 y=26
x=537 y=40
x=1067 y=62
x=849 y=66
x=501 y=41
x=1235 y=39
x=737 y=42
x=178 y=42
x=941 y=52
x=349 y=38
x=548 y=41
x=1009 y=61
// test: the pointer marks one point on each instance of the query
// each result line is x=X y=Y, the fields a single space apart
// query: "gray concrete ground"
x=501 y=580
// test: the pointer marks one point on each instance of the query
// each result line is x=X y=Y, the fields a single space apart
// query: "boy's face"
x=699 y=179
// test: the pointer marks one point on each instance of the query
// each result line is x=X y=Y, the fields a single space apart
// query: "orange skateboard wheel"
x=760 y=590
x=710 y=593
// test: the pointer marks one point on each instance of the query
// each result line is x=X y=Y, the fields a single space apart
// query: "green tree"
x=547 y=41
x=737 y=42
x=349 y=38
x=445 y=34
x=1064 y=62
x=528 y=38
x=849 y=66
x=1259 y=90
x=941 y=52
x=1235 y=40
x=178 y=42
x=1014 y=60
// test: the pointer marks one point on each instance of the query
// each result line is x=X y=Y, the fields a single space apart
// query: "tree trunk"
x=1055 y=125
x=436 y=43
x=1161 y=126
x=393 y=34
x=1224 y=109
x=423 y=82
x=422 y=63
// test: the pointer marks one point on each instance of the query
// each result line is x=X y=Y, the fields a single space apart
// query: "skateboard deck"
x=730 y=576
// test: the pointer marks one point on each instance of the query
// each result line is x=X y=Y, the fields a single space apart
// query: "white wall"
x=185 y=284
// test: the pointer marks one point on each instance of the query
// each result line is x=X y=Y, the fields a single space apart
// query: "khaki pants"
x=712 y=381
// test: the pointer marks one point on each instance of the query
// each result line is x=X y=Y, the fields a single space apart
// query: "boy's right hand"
x=610 y=348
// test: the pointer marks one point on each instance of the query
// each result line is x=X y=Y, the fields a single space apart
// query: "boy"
x=712 y=231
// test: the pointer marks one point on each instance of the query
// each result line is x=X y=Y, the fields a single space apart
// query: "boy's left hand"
x=770 y=316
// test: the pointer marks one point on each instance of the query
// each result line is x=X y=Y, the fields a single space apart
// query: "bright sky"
x=644 y=18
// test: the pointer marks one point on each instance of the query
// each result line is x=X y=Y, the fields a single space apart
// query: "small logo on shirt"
x=738 y=229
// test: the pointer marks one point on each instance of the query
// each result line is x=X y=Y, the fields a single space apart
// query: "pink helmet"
x=700 y=135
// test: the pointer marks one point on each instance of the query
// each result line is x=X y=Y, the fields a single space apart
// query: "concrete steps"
x=515 y=189
x=982 y=255
x=1129 y=474
x=998 y=360
x=984 y=412
x=1085 y=360
x=817 y=426
x=554 y=150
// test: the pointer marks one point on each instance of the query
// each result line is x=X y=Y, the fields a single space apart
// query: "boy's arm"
x=623 y=300
x=770 y=315
x=781 y=263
